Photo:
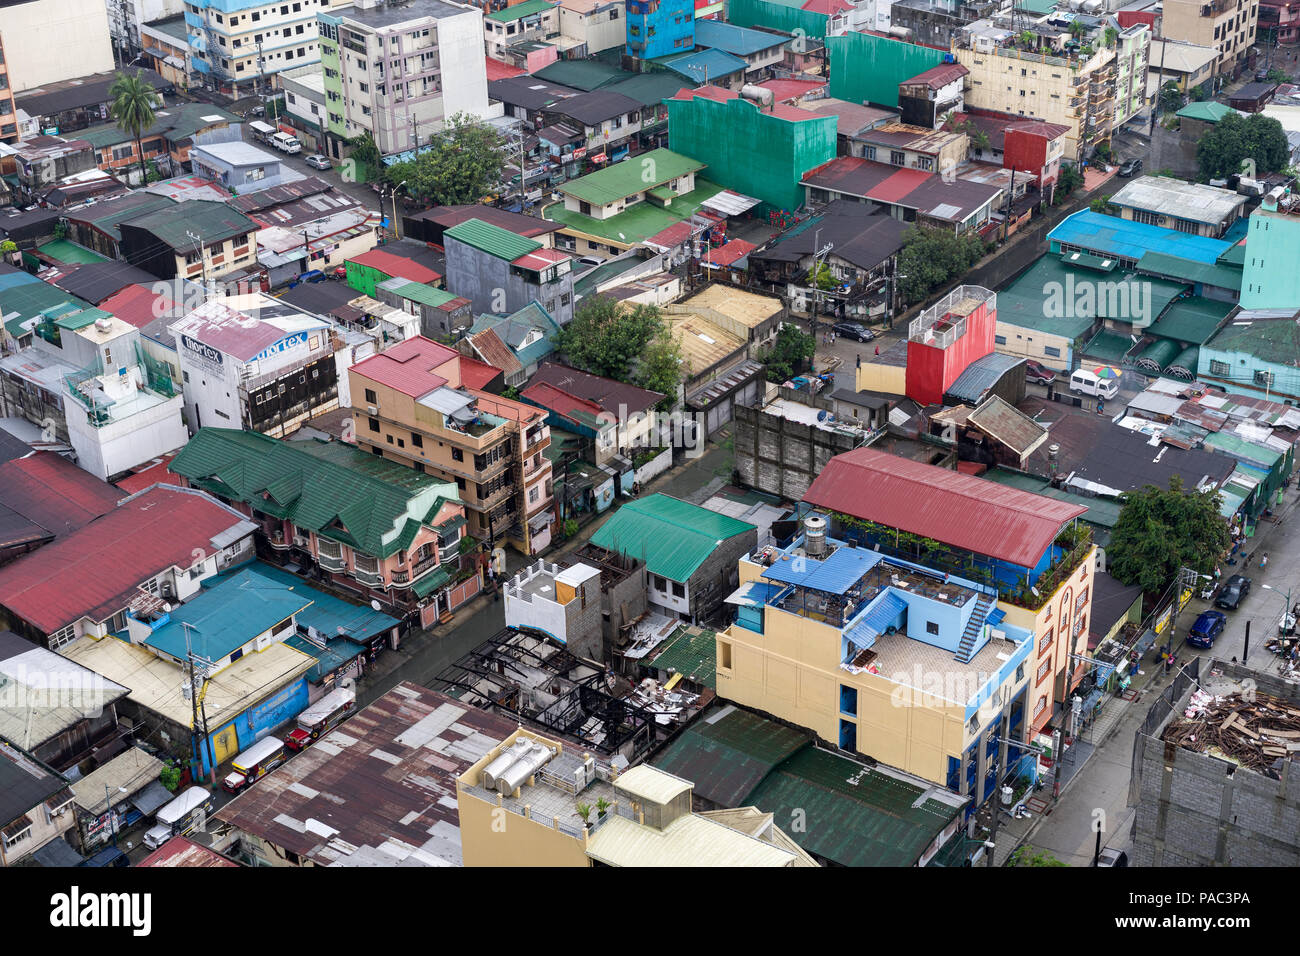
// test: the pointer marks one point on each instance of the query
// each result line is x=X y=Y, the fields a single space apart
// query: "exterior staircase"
x=969 y=637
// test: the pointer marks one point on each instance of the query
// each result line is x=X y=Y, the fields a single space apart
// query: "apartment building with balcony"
x=531 y=22
x=400 y=71
x=1227 y=25
x=423 y=405
x=1026 y=552
x=238 y=46
x=1132 y=57
x=1050 y=76
x=372 y=526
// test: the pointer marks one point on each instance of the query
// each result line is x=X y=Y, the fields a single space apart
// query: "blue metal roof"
x=995 y=617
x=705 y=66
x=872 y=624
x=835 y=575
x=1110 y=235
x=741 y=41
x=228 y=616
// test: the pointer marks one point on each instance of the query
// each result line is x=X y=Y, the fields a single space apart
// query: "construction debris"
x=1255 y=732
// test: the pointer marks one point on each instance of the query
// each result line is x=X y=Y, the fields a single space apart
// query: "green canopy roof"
x=673 y=537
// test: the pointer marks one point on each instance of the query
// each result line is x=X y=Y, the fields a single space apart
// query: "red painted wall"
x=1025 y=152
x=931 y=371
x=1128 y=18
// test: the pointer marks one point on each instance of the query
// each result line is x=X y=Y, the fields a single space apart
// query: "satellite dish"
x=375 y=606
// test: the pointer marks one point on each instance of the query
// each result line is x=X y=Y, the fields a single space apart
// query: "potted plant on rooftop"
x=602 y=807
x=584 y=811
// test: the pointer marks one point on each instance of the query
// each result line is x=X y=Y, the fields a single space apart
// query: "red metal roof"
x=540 y=258
x=398 y=267
x=673 y=236
x=787 y=90
x=560 y=401
x=94 y=572
x=154 y=474
x=476 y=374
x=790 y=113
x=52 y=495
x=966 y=512
x=1039 y=128
x=898 y=186
x=939 y=76
x=408 y=366
x=138 y=305
x=736 y=249
x=178 y=851
x=496 y=70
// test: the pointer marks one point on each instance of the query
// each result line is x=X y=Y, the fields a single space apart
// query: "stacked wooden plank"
x=1253 y=732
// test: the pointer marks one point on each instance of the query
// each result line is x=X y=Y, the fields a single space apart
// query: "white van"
x=286 y=143
x=264 y=132
x=1087 y=383
x=178 y=817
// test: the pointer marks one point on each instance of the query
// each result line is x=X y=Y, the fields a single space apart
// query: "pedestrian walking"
x=1263 y=562
x=877 y=349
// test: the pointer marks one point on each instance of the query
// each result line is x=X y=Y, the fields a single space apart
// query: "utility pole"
x=1006 y=224
x=203 y=262
x=1160 y=83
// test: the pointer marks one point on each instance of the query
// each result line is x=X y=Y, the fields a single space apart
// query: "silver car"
x=317 y=161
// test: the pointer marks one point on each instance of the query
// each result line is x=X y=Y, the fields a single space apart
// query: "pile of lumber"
x=1253 y=733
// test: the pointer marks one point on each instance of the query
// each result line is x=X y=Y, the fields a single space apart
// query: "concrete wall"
x=781 y=457
x=489 y=284
x=53 y=40
x=717 y=576
x=1192 y=810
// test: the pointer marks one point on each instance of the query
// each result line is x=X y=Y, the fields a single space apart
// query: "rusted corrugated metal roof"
x=965 y=512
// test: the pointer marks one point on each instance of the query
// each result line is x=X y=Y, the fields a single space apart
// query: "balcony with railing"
x=329 y=555
x=367 y=571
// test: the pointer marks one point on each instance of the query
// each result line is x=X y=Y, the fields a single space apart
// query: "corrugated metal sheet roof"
x=180 y=852
x=1001 y=420
x=960 y=510
x=835 y=575
x=1173 y=197
x=1189 y=270
x=1109 y=235
x=690 y=840
x=673 y=537
x=981 y=375
x=693 y=654
x=491 y=239
x=729 y=753
x=625 y=179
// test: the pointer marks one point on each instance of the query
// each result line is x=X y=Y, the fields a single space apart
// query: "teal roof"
x=63 y=250
x=493 y=240
x=585 y=75
x=705 y=66
x=1243 y=450
x=418 y=292
x=1275 y=340
x=337 y=652
x=855 y=815
x=25 y=302
x=79 y=320
x=1110 y=347
x=520 y=10
x=693 y=654
x=214 y=221
x=513 y=329
x=1214 y=274
x=1235 y=256
x=673 y=537
x=649 y=89
x=1192 y=320
x=176 y=123
x=331 y=488
x=1208 y=111
x=227 y=616
x=1024 y=303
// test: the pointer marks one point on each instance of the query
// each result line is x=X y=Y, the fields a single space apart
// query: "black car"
x=1131 y=168
x=1236 y=588
x=852 y=330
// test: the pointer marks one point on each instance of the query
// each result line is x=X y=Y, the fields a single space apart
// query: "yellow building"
x=1227 y=25
x=519 y=806
x=936 y=665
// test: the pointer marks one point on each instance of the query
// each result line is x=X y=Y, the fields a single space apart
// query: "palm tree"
x=132 y=108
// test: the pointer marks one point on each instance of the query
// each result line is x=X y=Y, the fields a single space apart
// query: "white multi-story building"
x=241 y=45
x=47 y=41
x=125 y=17
x=401 y=71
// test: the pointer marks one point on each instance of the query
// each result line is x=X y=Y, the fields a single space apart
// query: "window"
x=62 y=636
x=1020 y=672
x=868 y=152
x=389 y=439
x=417 y=440
x=848 y=700
x=724 y=655
x=1053 y=352
x=1043 y=670
x=371 y=398
x=660 y=583
x=12 y=839
x=1219 y=368
x=1264 y=378
x=679 y=590
x=1040 y=706
x=374 y=424
x=931 y=627
x=897 y=157
x=1046 y=642
x=1000 y=339
x=457 y=455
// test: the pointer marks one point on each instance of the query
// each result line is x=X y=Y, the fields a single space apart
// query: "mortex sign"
x=205 y=352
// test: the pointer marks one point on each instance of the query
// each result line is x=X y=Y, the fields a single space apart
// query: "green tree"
x=1069 y=180
x=364 y=152
x=1110 y=37
x=1028 y=856
x=1077 y=29
x=1160 y=531
x=822 y=277
x=660 y=368
x=131 y=106
x=462 y=165
x=931 y=257
x=1103 y=152
x=1235 y=139
x=791 y=348
x=607 y=338
x=1171 y=97
x=1277 y=76
x=1100 y=204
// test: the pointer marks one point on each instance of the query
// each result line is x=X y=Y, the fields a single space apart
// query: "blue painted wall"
x=658 y=28
x=260 y=719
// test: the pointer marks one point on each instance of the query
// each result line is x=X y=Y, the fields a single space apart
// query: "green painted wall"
x=783 y=15
x=334 y=103
x=868 y=69
x=749 y=151
x=364 y=278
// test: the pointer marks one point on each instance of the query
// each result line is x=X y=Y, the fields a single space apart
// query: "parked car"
x=592 y=260
x=1236 y=588
x=1038 y=373
x=256 y=111
x=1111 y=857
x=852 y=330
x=1130 y=168
x=1206 y=629
x=317 y=161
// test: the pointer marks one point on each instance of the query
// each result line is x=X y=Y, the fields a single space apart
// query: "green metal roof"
x=649 y=89
x=493 y=240
x=727 y=757
x=1236 y=256
x=693 y=654
x=1244 y=450
x=673 y=537
x=631 y=176
x=1192 y=320
x=1208 y=111
x=331 y=488
x=1086 y=260
x=1102 y=512
x=63 y=250
x=585 y=75
x=431 y=582
x=214 y=221
x=1024 y=302
x=79 y=320
x=1272 y=340
x=1110 y=347
x=639 y=222
x=419 y=292
x=520 y=10
x=175 y=123
x=855 y=815
x=22 y=303
x=1174 y=267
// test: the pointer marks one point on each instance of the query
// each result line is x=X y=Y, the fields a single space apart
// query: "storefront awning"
x=431 y=582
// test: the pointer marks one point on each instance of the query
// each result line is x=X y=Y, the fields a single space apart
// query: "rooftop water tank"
x=814 y=528
x=492 y=772
x=523 y=768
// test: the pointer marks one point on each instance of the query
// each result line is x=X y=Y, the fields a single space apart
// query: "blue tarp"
x=1109 y=235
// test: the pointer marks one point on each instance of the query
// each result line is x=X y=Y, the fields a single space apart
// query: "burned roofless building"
x=535 y=680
